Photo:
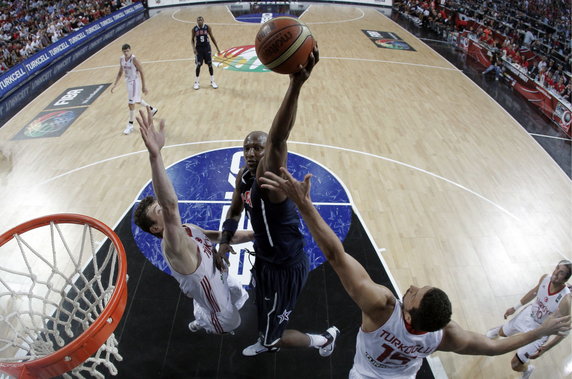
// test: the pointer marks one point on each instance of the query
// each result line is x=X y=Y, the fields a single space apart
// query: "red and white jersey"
x=129 y=68
x=392 y=351
x=208 y=287
x=546 y=303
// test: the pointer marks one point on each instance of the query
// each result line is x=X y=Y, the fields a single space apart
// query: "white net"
x=55 y=281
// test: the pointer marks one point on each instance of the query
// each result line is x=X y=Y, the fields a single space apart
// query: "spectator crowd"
x=28 y=26
x=533 y=35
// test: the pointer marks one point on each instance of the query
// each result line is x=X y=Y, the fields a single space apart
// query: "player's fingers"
x=286 y=174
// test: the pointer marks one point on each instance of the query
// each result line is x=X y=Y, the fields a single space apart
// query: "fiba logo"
x=240 y=58
x=49 y=123
x=204 y=184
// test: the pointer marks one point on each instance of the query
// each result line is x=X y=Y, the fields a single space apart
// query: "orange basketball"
x=283 y=44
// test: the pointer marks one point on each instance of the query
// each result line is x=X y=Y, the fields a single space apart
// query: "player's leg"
x=133 y=96
x=199 y=58
x=208 y=61
x=517 y=324
x=519 y=362
x=276 y=293
x=289 y=287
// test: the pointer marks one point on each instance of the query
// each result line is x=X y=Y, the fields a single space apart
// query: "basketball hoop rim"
x=84 y=343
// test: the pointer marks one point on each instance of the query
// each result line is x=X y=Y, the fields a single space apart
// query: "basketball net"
x=56 y=281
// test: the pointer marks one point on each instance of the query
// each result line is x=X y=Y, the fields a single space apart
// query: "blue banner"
x=20 y=73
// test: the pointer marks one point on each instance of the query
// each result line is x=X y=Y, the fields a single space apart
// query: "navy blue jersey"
x=277 y=236
x=201 y=36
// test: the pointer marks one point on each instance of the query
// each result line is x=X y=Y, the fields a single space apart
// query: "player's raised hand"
x=304 y=73
x=555 y=325
x=298 y=192
x=154 y=139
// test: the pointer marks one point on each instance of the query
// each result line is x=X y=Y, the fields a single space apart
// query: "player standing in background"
x=135 y=80
x=202 y=50
x=552 y=296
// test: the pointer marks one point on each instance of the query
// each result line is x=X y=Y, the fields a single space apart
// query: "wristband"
x=229 y=227
x=517 y=307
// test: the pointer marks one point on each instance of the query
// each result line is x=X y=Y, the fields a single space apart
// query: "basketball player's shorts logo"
x=204 y=184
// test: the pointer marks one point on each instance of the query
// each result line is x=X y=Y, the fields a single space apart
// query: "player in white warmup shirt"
x=188 y=250
x=552 y=297
x=395 y=336
x=135 y=81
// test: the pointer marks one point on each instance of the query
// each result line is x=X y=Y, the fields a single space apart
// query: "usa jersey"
x=277 y=236
x=546 y=303
x=214 y=310
x=201 y=35
x=392 y=351
x=129 y=68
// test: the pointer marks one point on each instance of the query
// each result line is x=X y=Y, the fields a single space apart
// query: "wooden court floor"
x=450 y=185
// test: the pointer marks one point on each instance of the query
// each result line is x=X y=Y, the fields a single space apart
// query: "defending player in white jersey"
x=394 y=336
x=188 y=250
x=552 y=297
x=135 y=80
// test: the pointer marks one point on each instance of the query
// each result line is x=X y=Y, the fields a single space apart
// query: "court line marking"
x=240 y=23
x=321 y=58
x=547 y=136
x=300 y=143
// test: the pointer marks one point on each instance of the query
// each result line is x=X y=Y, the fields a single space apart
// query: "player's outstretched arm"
x=461 y=341
x=175 y=239
x=276 y=150
x=357 y=282
x=241 y=236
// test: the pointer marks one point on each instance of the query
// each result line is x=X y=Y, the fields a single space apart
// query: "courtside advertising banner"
x=33 y=65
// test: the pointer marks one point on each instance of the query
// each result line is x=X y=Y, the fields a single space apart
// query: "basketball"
x=283 y=44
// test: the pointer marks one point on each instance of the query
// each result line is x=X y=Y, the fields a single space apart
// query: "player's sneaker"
x=258 y=348
x=194 y=326
x=154 y=111
x=493 y=333
x=328 y=348
x=196 y=85
x=528 y=372
x=128 y=129
x=213 y=84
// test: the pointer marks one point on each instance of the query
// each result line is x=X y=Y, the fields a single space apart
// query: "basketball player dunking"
x=552 y=295
x=281 y=265
x=202 y=50
x=395 y=336
x=135 y=80
x=217 y=297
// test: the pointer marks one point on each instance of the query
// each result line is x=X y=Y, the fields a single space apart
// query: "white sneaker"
x=331 y=334
x=128 y=129
x=196 y=86
x=528 y=372
x=258 y=348
x=213 y=84
x=194 y=326
x=493 y=333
